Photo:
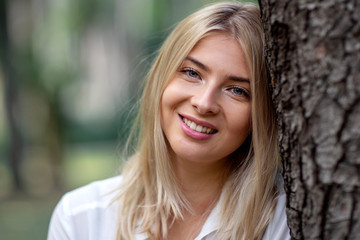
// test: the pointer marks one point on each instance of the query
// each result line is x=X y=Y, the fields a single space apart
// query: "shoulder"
x=86 y=210
x=98 y=192
x=278 y=228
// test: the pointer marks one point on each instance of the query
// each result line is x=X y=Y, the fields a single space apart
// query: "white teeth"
x=192 y=126
x=198 y=128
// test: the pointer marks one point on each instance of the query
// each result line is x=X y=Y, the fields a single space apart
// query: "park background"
x=70 y=77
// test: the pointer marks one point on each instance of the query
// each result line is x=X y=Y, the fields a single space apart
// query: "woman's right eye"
x=191 y=73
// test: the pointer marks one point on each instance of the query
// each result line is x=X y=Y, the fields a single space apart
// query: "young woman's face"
x=206 y=107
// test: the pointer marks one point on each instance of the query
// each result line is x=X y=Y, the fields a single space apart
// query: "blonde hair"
x=149 y=194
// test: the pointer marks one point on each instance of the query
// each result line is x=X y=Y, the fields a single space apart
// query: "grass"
x=26 y=216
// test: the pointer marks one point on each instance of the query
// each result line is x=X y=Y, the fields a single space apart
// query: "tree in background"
x=313 y=55
x=11 y=82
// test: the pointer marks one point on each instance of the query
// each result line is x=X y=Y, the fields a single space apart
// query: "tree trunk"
x=313 y=55
x=11 y=96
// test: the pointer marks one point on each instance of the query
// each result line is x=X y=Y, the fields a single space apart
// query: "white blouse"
x=89 y=213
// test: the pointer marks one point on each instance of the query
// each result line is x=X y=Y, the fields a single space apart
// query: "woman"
x=206 y=164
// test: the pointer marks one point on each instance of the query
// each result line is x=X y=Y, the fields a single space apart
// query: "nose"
x=205 y=101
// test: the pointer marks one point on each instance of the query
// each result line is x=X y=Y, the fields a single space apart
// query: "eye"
x=191 y=73
x=239 y=92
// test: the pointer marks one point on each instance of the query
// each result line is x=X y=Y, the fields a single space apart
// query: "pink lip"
x=194 y=134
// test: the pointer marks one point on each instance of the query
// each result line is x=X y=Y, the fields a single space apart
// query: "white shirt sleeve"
x=86 y=213
x=60 y=227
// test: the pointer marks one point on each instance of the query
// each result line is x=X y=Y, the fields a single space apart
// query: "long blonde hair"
x=149 y=194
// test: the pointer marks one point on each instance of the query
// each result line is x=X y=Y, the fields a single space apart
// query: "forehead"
x=219 y=50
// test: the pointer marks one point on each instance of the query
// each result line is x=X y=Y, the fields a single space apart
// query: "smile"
x=198 y=128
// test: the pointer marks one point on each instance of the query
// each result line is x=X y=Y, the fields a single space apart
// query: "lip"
x=194 y=134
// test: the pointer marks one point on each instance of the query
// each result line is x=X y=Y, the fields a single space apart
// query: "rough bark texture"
x=313 y=54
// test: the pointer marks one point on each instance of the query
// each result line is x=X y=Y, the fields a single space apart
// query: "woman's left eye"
x=239 y=91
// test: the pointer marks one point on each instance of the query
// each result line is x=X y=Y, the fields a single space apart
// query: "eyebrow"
x=205 y=68
x=198 y=63
x=239 y=79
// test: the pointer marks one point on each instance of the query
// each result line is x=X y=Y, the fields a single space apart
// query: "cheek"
x=247 y=118
x=165 y=103
x=173 y=95
x=164 y=111
x=241 y=121
x=168 y=104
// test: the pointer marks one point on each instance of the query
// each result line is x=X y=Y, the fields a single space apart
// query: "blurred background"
x=70 y=76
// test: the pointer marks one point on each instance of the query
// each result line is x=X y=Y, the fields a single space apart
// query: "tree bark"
x=313 y=55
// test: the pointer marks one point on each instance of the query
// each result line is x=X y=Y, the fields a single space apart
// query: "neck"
x=201 y=182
